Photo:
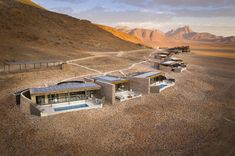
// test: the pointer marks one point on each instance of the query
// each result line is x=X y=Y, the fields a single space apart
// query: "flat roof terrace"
x=69 y=87
x=111 y=79
x=150 y=74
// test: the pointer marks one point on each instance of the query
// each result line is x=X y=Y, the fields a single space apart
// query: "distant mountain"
x=173 y=37
x=27 y=33
x=186 y=33
x=151 y=38
x=122 y=35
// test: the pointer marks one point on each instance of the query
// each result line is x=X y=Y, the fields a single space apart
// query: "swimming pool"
x=70 y=107
x=162 y=86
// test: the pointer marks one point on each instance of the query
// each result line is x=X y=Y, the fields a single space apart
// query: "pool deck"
x=47 y=110
x=166 y=84
x=127 y=95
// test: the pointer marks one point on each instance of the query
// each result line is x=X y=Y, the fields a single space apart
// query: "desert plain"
x=195 y=117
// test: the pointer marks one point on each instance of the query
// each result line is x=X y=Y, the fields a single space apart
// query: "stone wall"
x=141 y=85
x=108 y=91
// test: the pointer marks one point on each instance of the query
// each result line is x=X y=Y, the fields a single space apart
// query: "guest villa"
x=60 y=98
x=116 y=88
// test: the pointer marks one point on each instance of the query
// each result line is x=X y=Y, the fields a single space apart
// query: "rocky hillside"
x=31 y=3
x=27 y=32
x=122 y=35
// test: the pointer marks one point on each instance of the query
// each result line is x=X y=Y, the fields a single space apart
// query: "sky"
x=213 y=16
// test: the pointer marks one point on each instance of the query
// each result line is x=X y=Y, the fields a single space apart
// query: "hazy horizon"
x=213 y=16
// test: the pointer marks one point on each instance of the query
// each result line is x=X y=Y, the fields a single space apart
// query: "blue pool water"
x=162 y=86
x=70 y=107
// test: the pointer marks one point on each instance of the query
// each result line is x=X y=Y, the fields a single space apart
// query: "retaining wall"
x=141 y=85
x=108 y=91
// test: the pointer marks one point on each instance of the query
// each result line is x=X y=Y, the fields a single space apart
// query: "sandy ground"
x=195 y=117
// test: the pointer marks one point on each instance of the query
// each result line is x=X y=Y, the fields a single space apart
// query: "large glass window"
x=75 y=96
x=53 y=98
x=121 y=87
x=40 y=100
x=157 y=79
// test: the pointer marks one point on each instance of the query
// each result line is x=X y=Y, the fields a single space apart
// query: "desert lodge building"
x=91 y=93
x=63 y=97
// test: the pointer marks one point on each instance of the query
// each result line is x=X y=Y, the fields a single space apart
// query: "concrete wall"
x=141 y=85
x=155 y=89
x=165 y=68
x=88 y=79
x=156 y=65
x=27 y=107
x=108 y=91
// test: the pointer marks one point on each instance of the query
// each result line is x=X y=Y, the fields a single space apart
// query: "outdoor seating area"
x=122 y=90
x=127 y=95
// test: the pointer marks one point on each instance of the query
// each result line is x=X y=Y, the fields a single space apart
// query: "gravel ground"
x=195 y=117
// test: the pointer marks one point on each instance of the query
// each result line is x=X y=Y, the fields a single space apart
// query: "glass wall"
x=157 y=79
x=69 y=97
x=40 y=100
x=121 y=87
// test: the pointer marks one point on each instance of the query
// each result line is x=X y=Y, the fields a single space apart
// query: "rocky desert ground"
x=195 y=117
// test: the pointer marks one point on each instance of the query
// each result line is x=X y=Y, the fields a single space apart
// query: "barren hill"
x=28 y=33
x=122 y=35
x=30 y=2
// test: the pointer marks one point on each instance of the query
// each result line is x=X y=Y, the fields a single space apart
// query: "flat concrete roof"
x=69 y=87
x=168 y=62
x=148 y=74
x=175 y=59
x=110 y=79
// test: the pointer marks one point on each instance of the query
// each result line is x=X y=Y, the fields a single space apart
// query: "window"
x=40 y=100
x=53 y=98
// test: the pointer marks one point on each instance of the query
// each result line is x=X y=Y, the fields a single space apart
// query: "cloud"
x=176 y=3
x=102 y=15
x=160 y=14
x=64 y=10
x=209 y=12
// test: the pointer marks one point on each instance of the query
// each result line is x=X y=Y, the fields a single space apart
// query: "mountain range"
x=29 y=31
x=153 y=37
